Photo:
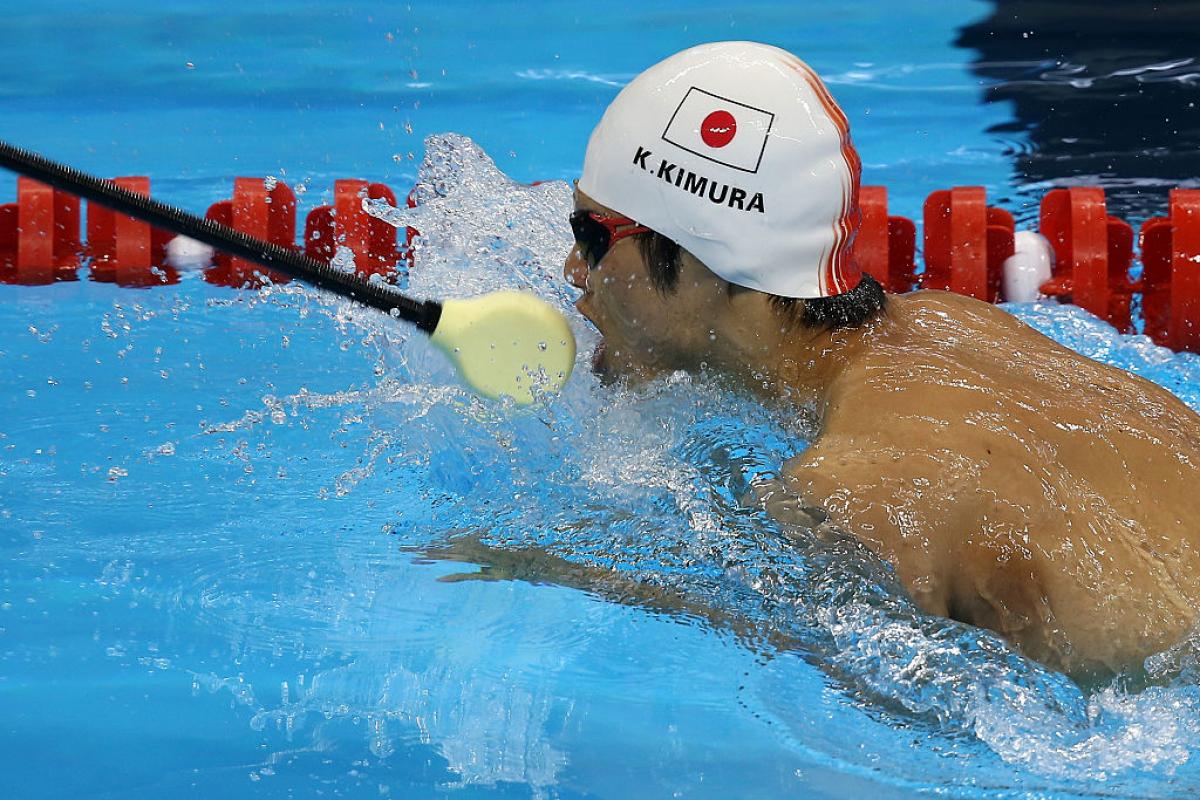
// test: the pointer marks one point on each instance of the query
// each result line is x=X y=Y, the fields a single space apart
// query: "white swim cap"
x=737 y=152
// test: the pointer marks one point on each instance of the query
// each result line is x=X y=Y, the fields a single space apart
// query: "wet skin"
x=1012 y=483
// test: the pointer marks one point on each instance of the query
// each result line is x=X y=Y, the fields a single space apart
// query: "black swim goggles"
x=596 y=233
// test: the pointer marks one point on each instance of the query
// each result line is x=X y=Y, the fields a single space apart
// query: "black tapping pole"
x=425 y=314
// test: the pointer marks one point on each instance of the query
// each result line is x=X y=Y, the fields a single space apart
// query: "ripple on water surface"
x=302 y=537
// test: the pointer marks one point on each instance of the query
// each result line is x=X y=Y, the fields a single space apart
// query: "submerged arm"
x=539 y=566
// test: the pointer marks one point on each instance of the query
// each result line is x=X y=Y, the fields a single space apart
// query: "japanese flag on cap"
x=737 y=152
x=708 y=126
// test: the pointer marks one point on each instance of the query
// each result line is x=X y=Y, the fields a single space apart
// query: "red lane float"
x=1171 y=276
x=1092 y=252
x=39 y=235
x=886 y=245
x=263 y=208
x=346 y=224
x=966 y=243
x=126 y=251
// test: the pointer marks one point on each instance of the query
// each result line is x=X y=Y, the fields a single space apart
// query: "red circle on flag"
x=718 y=128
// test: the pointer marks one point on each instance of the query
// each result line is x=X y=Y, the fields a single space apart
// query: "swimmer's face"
x=645 y=331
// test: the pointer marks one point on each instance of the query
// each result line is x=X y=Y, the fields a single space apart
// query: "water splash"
x=314 y=616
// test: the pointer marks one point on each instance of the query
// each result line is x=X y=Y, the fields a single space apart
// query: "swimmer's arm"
x=896 y=503
x=538 y=566
x=924 y=512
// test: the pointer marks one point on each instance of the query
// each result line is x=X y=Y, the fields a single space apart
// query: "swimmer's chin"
x=610 y=367
x=602 y=365
x=613 y=367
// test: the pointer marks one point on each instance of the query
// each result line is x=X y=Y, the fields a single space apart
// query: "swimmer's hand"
x=530 y=564
x=533 y=565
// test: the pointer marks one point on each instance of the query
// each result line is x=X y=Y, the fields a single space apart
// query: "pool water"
x=240 y=530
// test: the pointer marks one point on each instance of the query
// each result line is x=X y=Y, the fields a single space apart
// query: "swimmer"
x=1012 y=483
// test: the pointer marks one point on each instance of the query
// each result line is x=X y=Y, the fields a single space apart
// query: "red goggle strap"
x=612 y=223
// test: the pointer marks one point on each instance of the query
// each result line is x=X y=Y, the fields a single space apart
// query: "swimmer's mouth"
x=582 y=306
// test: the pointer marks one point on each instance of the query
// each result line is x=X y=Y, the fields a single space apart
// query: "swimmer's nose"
x=575 y=268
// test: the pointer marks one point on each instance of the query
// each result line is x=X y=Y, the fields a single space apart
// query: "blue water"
x=217 y=505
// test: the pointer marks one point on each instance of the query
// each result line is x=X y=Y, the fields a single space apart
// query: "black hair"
x=849 y=309
x=662 y=260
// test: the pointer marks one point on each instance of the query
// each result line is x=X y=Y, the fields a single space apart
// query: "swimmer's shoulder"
x=936 y=311
x=962 y=334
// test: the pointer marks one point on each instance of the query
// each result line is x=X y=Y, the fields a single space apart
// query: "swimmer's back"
x=1057 y=497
